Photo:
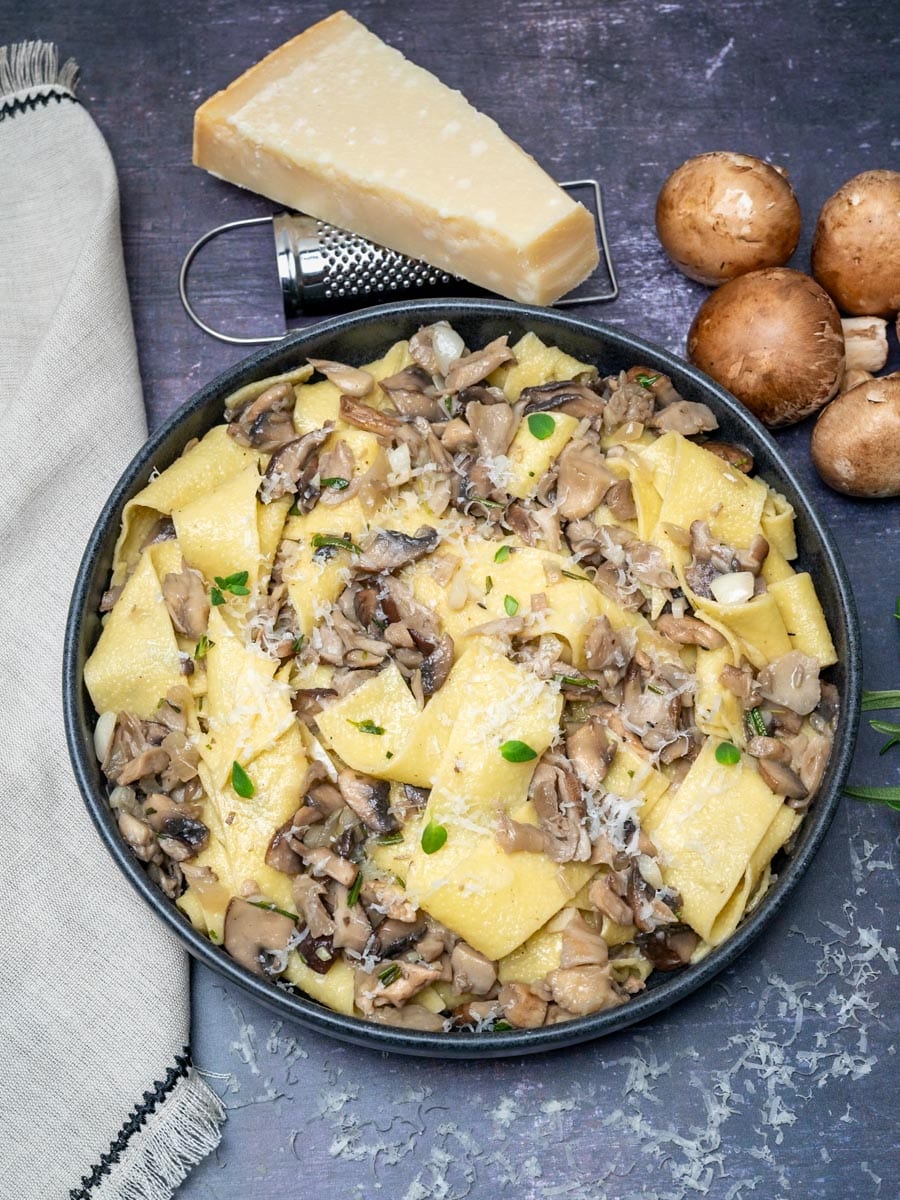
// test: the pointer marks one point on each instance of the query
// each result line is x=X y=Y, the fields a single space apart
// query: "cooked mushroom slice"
x=556 y=795
x=181 y=835
x=668 y=947
x=583 y=990
x=321 y=861
x=735 y=456
x=257 y=938
x=308 y=702
x=373 y=420
x=389 y=549
x=689 y=631
x=413 y=394
x=389 y=898
x=604 y=896
x=472 y=971
x=647 y=564
x=393 y=984
x=151 y=761
x=138 y=834
x=352 y=930
x=583 y=480
x=280 y=853
x=187 y=601
x=493 y=426
x=476 y=1015
x=285 y=470
x=435 y=347
x=582 y=944
x=648 y=908
x=781 y=779
x=352 y=381
x=436 y=665
x=370 y=800
x=768 y=747
x=457 y=436
x=472 y=368
x=266 y=423
x=574 y=399
x=741 y=683
x=308 y=894
x=395 y=937
x=792 y=681
x=629 y=403
x=660 y=386
x=410 y=1016
x=590 y=751
x=620 y=500
x=685 y=417
x=521 y=1006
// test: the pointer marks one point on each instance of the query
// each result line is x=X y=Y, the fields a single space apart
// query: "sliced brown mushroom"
x=472 y=368
x=257 y=938
x=321 y=861
x=493 y=425
x=472 y=971
x=619 y=499
x=583 y=990
x=413 y=394
x=668 y=947
x=373 y=420
x=686 y=417
x=557 y=798
x=435 y=347
x=266 y=423
x=180 y=833
x=187 y=601
x=286 y=467
x=395 y=937
x=741 y=682
x=583 y=480
x=591 y=752
x=370 y=800
x=792 y=681
x=660 y=386
x=689 y=631
x=647 y=564
x=138 y=834
x=308 y=896
x=392 y=984
x=280 y=854
x=150 y=762
x=735 y=456
x=388 y=549
x=568 y=396
x=352 y=930
x=515 y=836
x=781 y=779
x=436 y=664
x=352 y=381
x=582 y=944
x=605 y=897
x=522 y=1007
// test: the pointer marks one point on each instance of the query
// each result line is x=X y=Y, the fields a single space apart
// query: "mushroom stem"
x=865 y=343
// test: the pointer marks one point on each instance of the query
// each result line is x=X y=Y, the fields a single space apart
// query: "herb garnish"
x=236 y=584
x=203 y=646
x=353 y=894
x=577 y=681
x=433 y=837
x=646 y=381
x=541 y=426
x=889 y=796
x=877 y=795
x=337 y=483
x=367 y=726
x=515 y=751
x=511 y=604
x=502 y=554
x=241 y=781
x=727 y=754
x=297 y=644
x=488 y=584
x=389 y=975
x=270 y=907
x=390 y=839
x=572 y=575
x=322 y=541
x=756 y=722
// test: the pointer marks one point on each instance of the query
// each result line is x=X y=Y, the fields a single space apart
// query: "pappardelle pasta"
x=464 y=689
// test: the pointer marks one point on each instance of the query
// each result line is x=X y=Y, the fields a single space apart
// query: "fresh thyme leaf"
x=727 y=754
x=646 y=381
x=216 y=597
x=502 y=554
x=337 y=483
x=433 y=837
x=541 y=426
x=367 y=726
x=235 y=583
x=270 y=907
x=511 y=604
x=389 y=975
x=353 y=894
x=322 y=540
x=878 y=795
x=203 y=646
x=241 y=781
x=517 y=752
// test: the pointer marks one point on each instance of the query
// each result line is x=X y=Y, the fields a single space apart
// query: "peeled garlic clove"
x=734 y=588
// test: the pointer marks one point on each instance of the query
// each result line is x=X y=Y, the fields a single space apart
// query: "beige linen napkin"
x=98 y=1098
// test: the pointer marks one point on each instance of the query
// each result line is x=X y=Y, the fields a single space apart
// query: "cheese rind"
x=337 y=124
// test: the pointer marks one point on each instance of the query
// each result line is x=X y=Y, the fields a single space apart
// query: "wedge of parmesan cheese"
x=341 y=126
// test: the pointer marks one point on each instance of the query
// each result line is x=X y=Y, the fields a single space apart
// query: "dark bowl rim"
x=354 y=1030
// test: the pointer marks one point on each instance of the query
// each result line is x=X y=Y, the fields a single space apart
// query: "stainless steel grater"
x=324 y=269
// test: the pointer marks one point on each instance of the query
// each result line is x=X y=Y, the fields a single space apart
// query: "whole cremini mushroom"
x=856 y=440
x=720 y=215
x=774 y=339
x=856 y=248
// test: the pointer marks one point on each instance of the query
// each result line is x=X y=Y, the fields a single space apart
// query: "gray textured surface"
x=781 y=1078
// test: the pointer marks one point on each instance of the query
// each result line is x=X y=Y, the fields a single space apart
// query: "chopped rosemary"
x=541 y=426
x=390 y=839
x=367 y=726
x=727 y=754
x=657 y=691
x=878 y=795
x=517 y=752
x=876 y=700
x=488 y=584
x=577 y=681
x=322 y=541
x=756 y=722
x=389 y=975
x=433 y=837
x=241 y=781
x=511 y=604
x=270 y=907
x=580 y=578
x=353 y=894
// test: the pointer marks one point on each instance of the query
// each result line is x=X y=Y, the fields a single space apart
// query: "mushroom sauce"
x=513 y=702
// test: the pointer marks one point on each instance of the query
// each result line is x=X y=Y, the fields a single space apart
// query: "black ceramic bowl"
x=358 y=338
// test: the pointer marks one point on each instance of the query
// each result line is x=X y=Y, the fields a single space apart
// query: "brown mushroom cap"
x=856 y=248
x=257 y=938
x=720 y=215
x=774 y=339
x=856 y=440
